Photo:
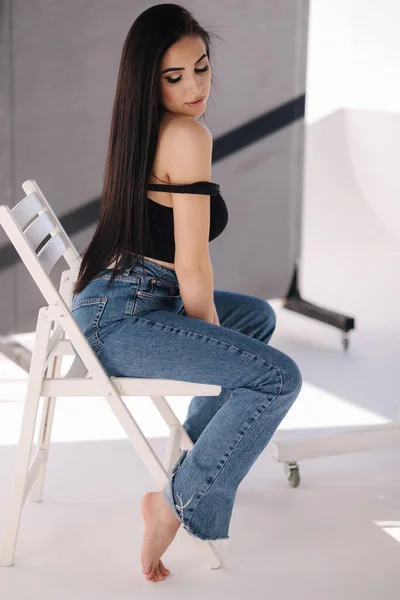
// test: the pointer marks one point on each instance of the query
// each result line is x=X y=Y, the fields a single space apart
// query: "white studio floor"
x=336 y=536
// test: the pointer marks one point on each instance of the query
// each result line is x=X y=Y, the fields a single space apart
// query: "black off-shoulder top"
x=161 y=222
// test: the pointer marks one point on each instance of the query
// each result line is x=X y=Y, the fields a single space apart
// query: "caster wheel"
x=345 y=341
x=293 y=472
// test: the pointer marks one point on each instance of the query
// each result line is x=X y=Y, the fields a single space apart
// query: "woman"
x=144 y=297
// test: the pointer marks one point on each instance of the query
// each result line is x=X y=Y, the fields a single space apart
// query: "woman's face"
x=192 y=77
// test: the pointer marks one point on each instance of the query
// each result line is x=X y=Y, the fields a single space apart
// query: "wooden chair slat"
x=39 y=229
x=25 y=210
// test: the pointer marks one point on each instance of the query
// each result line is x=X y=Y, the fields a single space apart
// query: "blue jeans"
x=138 y=328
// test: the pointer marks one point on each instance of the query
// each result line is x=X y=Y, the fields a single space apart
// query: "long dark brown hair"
x=135 y=125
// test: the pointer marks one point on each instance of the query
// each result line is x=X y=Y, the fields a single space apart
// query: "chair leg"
x=165 y=410
x=24 y=449
x=43 y=443
x=173 y=449
x=45 y=433
x=213 y=556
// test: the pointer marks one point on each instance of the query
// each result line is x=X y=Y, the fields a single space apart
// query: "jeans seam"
x=130 y=305
x=208 y=337
x=96 y=327
x=235 y=446
x=87 y=302
x=155 y=296
x=121 y=277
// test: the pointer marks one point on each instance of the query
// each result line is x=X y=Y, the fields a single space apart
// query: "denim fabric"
x=138 y=328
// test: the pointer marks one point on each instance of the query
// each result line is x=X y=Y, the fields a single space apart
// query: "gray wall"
x=59 y=63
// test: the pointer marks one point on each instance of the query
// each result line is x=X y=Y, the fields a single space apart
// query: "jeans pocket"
x=156 y=293
x=157 y=287
x=87 y=314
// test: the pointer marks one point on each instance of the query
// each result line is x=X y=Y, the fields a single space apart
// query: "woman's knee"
x=291 y=377
x=270 y=315
x=266 y=316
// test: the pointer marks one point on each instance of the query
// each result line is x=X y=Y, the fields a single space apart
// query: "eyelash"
x=179 y=78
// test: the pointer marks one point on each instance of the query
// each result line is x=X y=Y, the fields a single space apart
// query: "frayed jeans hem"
x=178 y=509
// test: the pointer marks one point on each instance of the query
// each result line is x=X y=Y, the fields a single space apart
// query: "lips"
x=198 y=99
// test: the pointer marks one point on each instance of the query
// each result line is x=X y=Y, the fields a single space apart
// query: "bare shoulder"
x=186 y=130
x=186 y=150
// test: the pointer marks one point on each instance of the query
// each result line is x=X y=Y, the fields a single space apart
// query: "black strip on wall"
x=258 y=128
x=223 y=146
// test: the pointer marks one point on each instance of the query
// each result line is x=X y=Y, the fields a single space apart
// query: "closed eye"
x=179 y=78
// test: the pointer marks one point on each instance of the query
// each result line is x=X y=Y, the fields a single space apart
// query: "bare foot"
x=160 y=528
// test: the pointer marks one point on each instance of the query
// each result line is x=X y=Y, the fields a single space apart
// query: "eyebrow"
x=182 y=68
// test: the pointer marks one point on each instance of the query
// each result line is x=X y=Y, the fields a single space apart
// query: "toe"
x=156 y=576
x=164 y=569
x=150 y=574
x=160 y=576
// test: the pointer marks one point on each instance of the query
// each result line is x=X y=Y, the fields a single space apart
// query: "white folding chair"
x=27 y=225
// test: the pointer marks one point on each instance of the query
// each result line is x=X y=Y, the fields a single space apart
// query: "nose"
x=197 y=86
x=197 y=92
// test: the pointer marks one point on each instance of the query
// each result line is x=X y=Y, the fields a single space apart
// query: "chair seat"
x=79 y=383
x=127 y=386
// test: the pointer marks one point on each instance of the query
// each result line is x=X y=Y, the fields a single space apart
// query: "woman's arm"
x=189 y=160
x=215 y=317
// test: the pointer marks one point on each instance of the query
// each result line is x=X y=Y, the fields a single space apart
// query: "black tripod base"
x=295 y=302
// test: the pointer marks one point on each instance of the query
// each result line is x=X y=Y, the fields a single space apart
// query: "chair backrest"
x=39 y=239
